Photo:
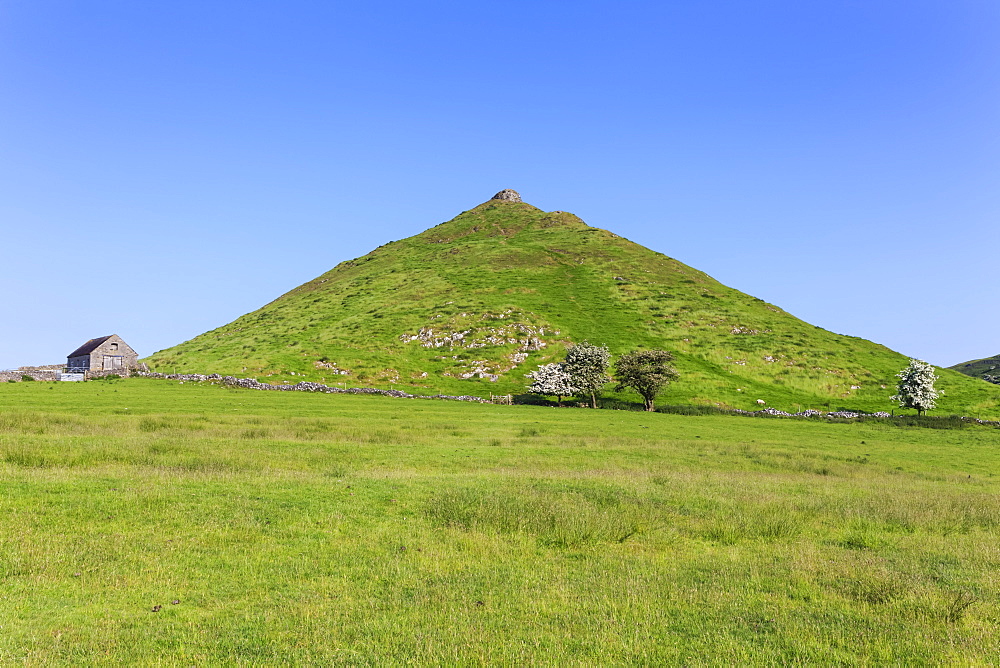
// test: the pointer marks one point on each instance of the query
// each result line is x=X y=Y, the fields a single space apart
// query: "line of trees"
x=584 y=373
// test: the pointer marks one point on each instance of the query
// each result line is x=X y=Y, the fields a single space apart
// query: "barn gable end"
x=104 y=353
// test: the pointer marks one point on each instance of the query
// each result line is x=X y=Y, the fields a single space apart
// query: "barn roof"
x=89 y=346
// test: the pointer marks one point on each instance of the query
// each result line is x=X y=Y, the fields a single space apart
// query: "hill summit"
x=471 y=305
x=508 y=195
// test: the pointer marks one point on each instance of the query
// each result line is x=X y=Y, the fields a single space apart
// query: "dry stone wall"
x=52 y=371
x=848 y=415
x=304 y=386
x=34 y=374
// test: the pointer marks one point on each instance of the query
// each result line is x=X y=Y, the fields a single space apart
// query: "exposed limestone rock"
x=507 y=195
x=467 y=331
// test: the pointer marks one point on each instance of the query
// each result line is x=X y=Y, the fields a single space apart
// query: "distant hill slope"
x=979 y=368
x=471 y=305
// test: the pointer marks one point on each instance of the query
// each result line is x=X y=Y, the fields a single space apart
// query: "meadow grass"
x=333 y=529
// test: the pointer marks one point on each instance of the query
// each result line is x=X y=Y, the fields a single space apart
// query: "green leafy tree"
x=916 y=387
x=587 y=367
x=648 y=372
x=551 y=379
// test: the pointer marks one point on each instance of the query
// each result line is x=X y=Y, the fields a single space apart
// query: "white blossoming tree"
x=587 y=367
x=916 y=387
x=552 y=380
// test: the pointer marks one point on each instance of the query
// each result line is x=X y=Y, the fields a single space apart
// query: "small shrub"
x=26 y=378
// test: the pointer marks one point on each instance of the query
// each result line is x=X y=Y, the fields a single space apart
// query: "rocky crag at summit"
x=469 y=306
x=507 y=195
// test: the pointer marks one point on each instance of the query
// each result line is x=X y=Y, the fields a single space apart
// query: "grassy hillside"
x=979 y=368
x=291 y=528
x=471 y=305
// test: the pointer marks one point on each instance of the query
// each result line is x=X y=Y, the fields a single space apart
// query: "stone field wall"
x=304 y=386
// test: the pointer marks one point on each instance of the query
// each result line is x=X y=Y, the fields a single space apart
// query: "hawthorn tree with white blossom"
x=552 y=380
x=587 y=367
x=916 y=387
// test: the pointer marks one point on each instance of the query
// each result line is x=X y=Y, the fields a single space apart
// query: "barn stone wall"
x=82 y=362
x=114 y=347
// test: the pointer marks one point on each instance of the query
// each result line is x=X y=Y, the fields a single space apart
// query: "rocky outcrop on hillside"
x=508 y=342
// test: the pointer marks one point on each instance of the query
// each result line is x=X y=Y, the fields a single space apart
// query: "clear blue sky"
x=169 y=166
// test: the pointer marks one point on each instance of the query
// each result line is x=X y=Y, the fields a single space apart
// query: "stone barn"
x=102 y=354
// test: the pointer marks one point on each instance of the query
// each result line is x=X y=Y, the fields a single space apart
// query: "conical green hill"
x=471 y=305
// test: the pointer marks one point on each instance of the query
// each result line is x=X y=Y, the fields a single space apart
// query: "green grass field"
x=300 y=528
